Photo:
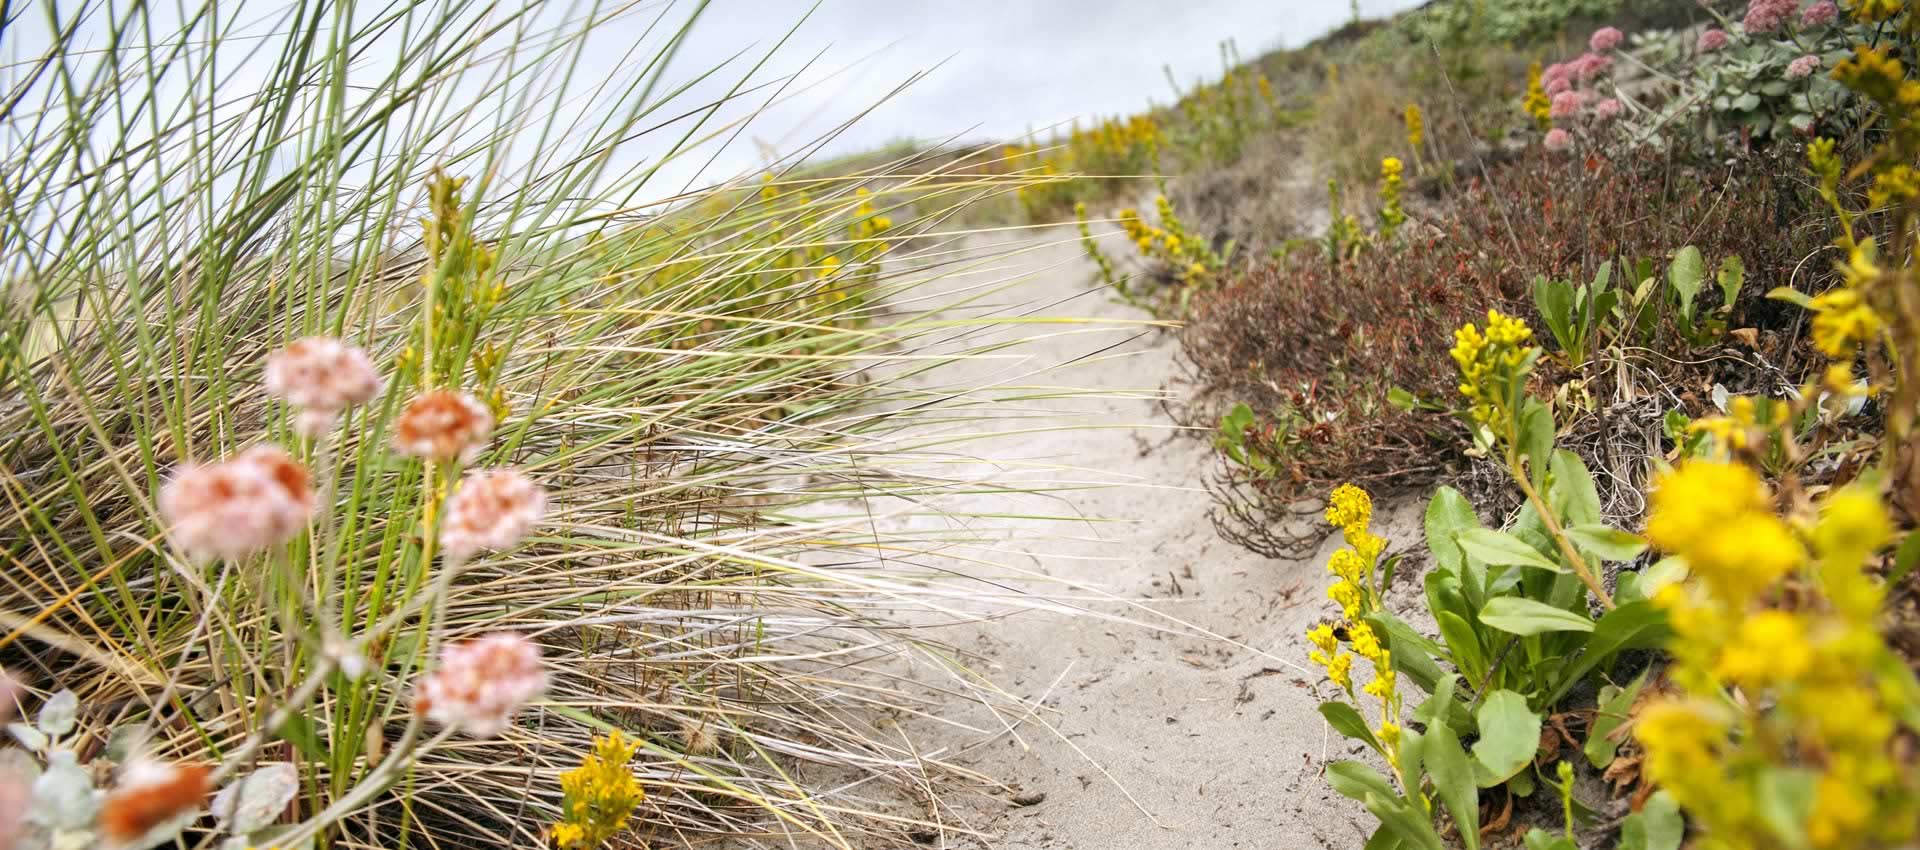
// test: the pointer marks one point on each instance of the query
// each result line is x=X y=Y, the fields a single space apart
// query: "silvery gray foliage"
x=1744 y=89
x=64 y=803
x=249 y=805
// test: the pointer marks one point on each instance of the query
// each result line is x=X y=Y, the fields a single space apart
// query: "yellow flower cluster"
x=1391 y=214
x=1769 y=690
x=1490 y=363
x=598 y=797
x=1350 y=509
x=1749 y=422
x=1170 y=243
x=1416 y=127
x=1537 y=103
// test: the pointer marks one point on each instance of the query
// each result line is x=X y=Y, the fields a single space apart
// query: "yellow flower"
x=1716 y=516
x=1365 y=643
x=599 y=796
x=1349 y=596
x=1842 y=319
x=1348 y=565
x=1841 y=812
x=1339 y=667
x=1770 y=647
x=1381 y=687
x=1853 y=524
x=1416 y=127
x=1349 y=506
x=1322 y=637
x=1389 y=735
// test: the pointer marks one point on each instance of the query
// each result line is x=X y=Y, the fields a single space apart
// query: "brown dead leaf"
x=1749 y=337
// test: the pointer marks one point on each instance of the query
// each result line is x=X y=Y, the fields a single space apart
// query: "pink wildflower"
x=322 y=376
x=1767 y=15
x=1608 y=109
x=1605 y=39
x=1803 y=67
x=493 y=509
x=1711 y=40
x=1820 y=14
x=152 y=793
x=481 y=684
x=16 y=794
x=1567 y=104
x=1591 y=65
x=1558 y=85
x=1558 y=139
x=237 y=507
x=443 y=425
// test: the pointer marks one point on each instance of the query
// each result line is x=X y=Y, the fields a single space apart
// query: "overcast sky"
x=996 y=67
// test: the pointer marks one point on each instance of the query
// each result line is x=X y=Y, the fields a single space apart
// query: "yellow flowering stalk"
x=1416 y=131
x=1537 y=103
x=1357 y=590
x=1391 y=215
x=1804 y=696
x=1494 y=369
x=598 y=797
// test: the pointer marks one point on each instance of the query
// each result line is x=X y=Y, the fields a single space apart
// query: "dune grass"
x=711 y=385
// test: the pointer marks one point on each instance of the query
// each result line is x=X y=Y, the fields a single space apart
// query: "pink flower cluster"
x=1608 y=109
x=443 y=425
x=1558 y=139
x=1568 y=104
x=1820 y=14
x=322 y=376
x=1605 y=39
x=1803 y=67
x=493 y=509
x=481 y=684
x=237 y=507
x=1711 y=40
x=1768 y=15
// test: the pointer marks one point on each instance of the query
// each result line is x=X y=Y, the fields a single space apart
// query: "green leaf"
x=1536 y=440
x=1509 y=737
x=1609 y=543
x=1413 y=827
x=1522 y=616
x=1453 y=780
x=1448 y=514
x=1383 y=838
x=1733 y=275
x=1784 y=800
x=1402 y=399
x=1463 y=644
x=1635 y=625
x=1413 y=653
x=1904 y=558
x=1609 y=713
x=1347 y=721
x=1574 y=493
x=1540 y=839
x=1500 y=549
x=1789 y=295
x=298 y=731
x=1355 y=780
x=1685 y=276
x=1657 y=826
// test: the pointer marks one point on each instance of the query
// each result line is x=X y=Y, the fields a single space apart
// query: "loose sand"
x=1161 y=736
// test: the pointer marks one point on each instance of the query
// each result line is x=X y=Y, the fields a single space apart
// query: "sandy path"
x=1160 y=739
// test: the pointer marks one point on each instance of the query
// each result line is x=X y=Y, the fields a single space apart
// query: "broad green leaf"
x=1413 y=827
x=1383 y=838
x=1574 y=493
x=1609 y=714
x=1686 y=275
x=1453 y=780
x=1536 y=440
x=1733 y=275
x=1355 y=780
x=1657 y=826
x=1904 y=558
x=1609 y=543
x=1462 y=644
x=1401 y=399
x=1522 y=616
x=1509 y=737
x=298 y=731
x=1413 y=653
x=1789 y=295
x=1448 y=514
x=1347 y=721
x=1500 y=549
x=1635 y=625
x=1540 y=839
